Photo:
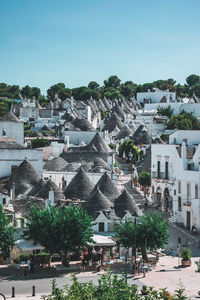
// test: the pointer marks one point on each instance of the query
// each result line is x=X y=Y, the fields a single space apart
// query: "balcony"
x=161 y=175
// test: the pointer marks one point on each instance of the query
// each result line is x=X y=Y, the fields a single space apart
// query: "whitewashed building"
x=175 y=170
x=156 y=96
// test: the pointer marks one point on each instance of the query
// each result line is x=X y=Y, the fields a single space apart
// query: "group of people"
x=138 y=267
x=31 y=264
x=92 y=257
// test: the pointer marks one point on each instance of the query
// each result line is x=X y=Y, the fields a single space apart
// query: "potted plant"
x=186 y=257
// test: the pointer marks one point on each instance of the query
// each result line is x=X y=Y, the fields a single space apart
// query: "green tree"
x=112 y=81
x=4 y=108
x=167 y=111
x=150 y=232
x=59 y=89
x=112 y=93
x=192 y=80
x=144 y=180
x=93 y=85
x=6 y=234
x=128 y=89
x=60 y=229
x=39 y=143
x=184 y=121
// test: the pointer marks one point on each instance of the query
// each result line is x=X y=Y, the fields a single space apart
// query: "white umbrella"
x=101 y=240
x=28 y=245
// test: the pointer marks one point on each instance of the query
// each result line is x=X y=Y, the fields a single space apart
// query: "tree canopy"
x=184 y=121
x=6 y=234
x=150 y=232
x=144 y=179
x=111 y=88
x=59 y=229
x=167 y=111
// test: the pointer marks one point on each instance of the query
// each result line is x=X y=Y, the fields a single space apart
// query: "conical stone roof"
x=50 y=186
x=125 y=203
x=112 y=122
x=9 y=117
x=37 y=187
x=80 y=186
x=142 y=136
x=97 y=141
x=97 y=202
x=83 y=124
x=99 y=162
x=24 y=177
x=56 y=164
x=107 y=187
x=124 y=132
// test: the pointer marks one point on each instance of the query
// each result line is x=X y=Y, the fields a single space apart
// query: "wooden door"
x=188 y=220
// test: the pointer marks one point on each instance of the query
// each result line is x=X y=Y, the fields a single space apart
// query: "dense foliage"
x=144 y=179
x=132 y=152
x=59 y=229
x=184 y=121
x=109 y=287
x=39 y=143
x=6 y=234
x=112 y=88
x=168 y=111
x=150 y=232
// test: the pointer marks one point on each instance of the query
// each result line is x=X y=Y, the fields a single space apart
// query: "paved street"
x=43 y=286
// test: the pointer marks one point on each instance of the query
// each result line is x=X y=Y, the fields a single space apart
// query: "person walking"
x=29 y=264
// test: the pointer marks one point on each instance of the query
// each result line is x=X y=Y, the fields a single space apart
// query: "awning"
x=101 y=240
x=28 y=245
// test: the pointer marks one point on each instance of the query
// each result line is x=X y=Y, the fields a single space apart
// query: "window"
x=174 y=192
x=174 y=140
x=179 y=203
x=166 y=169
x=189 y=166
x=188 y=191
x=158 y=169
x=179 y=187
x=101 y=226
x=196 y=191
x=4 y=201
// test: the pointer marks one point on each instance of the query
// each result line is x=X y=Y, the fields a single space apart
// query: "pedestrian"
x=29 y=264
x=90 y=264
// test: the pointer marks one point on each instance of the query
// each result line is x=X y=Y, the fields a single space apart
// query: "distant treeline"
x=112 y=88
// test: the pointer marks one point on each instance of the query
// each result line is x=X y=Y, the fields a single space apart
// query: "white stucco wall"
x=14 y=130
x=14 y=157
x=155 y=96
x=193 y=108
x=76 y=137
x=57 y=177
x=192 y=136
x=178 y=173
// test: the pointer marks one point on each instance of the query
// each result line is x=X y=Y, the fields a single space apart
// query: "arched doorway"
x=167 y=204
x=158 y=196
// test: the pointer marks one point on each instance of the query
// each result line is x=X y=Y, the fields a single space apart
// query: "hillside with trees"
x=112 y=88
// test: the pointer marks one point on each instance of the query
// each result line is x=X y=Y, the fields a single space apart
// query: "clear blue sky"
x=43 y=42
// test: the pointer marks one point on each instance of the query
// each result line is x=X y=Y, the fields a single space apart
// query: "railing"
x=161 y=175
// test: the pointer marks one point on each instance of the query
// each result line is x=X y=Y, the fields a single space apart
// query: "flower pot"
x=186 y=263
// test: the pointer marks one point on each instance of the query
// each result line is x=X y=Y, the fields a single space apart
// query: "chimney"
x=50 y=201
x=72 y=103
x=12 y=192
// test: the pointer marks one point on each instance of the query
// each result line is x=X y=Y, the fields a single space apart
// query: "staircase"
x=124 y=181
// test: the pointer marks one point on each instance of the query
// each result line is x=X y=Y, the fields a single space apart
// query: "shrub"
x=186 y=254
x=38 y=143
